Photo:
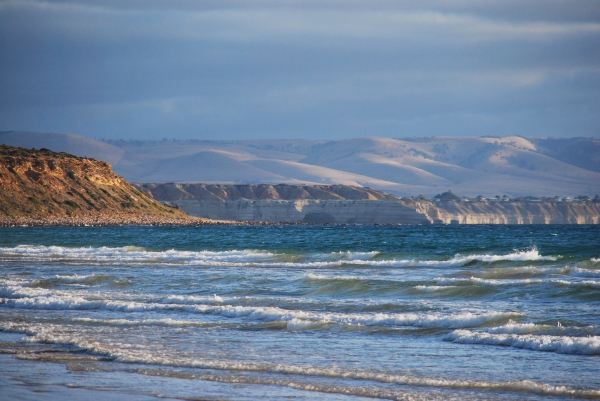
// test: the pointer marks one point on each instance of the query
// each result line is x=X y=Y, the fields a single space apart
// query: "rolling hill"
x=469 y=166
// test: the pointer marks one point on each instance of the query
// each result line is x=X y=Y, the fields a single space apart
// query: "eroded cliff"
x=512 y=212
x=306 y=211
x=42 y=183
x=346 y=204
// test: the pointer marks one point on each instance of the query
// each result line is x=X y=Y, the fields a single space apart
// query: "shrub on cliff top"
x=448 y=196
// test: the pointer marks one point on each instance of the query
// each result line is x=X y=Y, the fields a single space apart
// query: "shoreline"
x=116 y=221
x=189 y=221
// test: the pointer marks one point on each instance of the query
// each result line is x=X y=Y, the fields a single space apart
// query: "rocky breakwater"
x=42 y=187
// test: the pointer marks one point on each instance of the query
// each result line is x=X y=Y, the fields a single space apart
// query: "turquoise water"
x=301 y=312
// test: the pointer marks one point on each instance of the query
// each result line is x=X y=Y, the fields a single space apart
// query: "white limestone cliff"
x=394 y=212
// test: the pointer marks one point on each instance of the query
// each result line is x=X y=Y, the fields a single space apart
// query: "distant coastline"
x=45 y=188
x=42 y=187
x=342 y=204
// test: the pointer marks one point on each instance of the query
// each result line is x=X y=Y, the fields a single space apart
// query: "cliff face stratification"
x=510 y=212
x=42 y=184
x=346 y=204
x=306 y=211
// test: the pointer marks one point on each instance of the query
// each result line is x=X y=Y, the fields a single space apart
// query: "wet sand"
x=34 y=380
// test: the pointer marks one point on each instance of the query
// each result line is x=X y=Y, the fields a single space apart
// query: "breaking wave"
x=31 y=298
x=547 y=343
x=133 y=255
x=293 y=373
x=517 y=282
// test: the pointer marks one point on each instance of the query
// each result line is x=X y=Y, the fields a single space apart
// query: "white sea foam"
x=130 y=255
x=434 y=288
x=137 y=354
x=310 y=265
x=524 y=386
x=16 y=296
x=193 y=299
x=12 y=289
x=556 y=329
x=528 y=255
x=313 y=276
x=559 y=344
x=376 y=392
x=519 y=328
x=19 y=288
x=579 y=272
x=517 y=282
x=53 y=301
x=133 y=255
x=76 y=278
x=588 y=283
x=458 y=260
x=299 y=324
x=517 y=256
x=142 y=322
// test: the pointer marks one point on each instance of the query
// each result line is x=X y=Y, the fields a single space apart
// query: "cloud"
x=335 y=69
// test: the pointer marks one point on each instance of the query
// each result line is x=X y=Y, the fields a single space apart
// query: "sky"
x=300 y=69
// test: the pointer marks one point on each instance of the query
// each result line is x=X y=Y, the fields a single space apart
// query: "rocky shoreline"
x=19 y=221
x=99 y=221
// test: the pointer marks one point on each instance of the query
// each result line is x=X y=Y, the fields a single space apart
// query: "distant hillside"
x=42 y=183
x=580 y=152
x=469 y=166
x=69 y=143
x=229 y=192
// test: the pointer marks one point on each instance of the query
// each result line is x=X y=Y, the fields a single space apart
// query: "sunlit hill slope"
x=469 y=166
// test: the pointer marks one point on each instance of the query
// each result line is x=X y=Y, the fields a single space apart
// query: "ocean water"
x=300 y=312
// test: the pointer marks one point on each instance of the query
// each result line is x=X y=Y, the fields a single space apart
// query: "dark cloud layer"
x=300 y=69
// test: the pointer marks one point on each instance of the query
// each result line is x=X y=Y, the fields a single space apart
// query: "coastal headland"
x=42 y=187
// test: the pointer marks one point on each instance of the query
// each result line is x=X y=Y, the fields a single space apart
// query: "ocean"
x=345 y=312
